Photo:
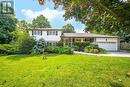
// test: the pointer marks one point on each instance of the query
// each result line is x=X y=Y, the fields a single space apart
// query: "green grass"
x=63 y=71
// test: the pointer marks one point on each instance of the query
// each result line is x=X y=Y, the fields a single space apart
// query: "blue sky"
x=29 y=9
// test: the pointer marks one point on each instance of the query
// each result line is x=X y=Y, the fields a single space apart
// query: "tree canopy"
x=68 y=28
x=41 y=22
x=7 y=26
x=24 y=24
x=92 y=12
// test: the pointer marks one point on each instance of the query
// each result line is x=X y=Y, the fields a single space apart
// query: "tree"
x=39 y=47
x=41 y=22
x=24 y=24
x=106 y=24
x=89 y=11
x=68 y=28
x=24 y=42
x=7 y=26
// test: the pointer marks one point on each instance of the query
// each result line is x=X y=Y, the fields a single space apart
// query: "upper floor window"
x=37 y=33
x=52 y=33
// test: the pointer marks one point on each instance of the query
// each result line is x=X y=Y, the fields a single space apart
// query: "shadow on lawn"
x=19 y=57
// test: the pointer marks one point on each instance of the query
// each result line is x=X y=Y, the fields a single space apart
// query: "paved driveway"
x=113 y=54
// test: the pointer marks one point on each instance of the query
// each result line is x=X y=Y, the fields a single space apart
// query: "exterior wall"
x=110 y=44
x=106 y=39
x=53 y=38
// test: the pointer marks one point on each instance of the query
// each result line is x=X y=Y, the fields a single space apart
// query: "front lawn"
x=63 y=71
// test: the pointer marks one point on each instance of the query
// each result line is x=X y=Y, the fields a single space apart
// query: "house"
x=110 y=43
x=53 y=36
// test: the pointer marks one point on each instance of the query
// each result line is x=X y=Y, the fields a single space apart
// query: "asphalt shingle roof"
x=80 y=35
x=45 y=29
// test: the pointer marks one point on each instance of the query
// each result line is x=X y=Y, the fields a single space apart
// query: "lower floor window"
x=51 y=43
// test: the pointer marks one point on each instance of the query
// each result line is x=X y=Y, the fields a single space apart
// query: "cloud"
x=54 y=16
x=48 y=13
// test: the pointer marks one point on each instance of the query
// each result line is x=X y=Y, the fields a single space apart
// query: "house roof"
x=81 y=35
x=45 y=29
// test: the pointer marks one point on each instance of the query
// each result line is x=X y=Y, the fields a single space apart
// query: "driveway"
x=113 y=54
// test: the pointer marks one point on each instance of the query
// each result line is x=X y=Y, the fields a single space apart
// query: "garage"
x=110 y=44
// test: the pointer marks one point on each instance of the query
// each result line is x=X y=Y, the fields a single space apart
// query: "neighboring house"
x=53 y=36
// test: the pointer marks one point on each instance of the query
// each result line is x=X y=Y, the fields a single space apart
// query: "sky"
x=30 y=9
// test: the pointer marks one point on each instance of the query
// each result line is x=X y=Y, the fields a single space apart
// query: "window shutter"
x=41 y=33
x=47 y=33
x=32 y=33
x=56 y=33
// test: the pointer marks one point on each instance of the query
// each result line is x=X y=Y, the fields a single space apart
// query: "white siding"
x=106 y=39
x=110 y=44
x=30 y=33
x=46 y=37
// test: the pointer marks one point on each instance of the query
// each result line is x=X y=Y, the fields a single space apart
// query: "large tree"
x=7 y=26
x=68 y=28
x=24 y=24
x=90 y=12
x=41 y=22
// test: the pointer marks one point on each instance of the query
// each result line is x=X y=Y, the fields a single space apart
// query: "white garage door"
x=108 y=46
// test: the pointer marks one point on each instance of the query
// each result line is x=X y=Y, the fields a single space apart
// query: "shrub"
x=25 y=43
x=66 y=50
x=102 y=51
x=52 y=49
x=8 y=49
x=94 y=49
x=60 y=43
x=22 y=43
x=76 y=48
x=116 y=83
x=39 y=47
x=128 y=74
x=59 y=50
x=81 y=45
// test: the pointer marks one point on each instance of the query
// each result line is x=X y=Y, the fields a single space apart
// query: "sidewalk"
x=112 y=54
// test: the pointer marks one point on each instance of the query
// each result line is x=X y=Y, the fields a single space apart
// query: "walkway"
x=113 y=54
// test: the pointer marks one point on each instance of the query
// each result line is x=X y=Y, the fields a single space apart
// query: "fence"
x=125 y=46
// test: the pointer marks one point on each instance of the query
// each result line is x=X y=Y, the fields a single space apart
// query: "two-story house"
x=53 y=36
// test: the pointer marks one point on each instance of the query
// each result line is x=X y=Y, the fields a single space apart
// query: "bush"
x=52 y=49
x=22 y=43
x=25 y=42
x=60 y=43
x=94 y=49
x=59 y=50
x=128 y=74
x=39 y=47
x=81 y=45
x=102 y=51
x=116 y=83
x=76 y=48
x=8 y=49
x=66 y=50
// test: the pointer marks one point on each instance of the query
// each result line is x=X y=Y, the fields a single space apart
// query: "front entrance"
x=71 y=41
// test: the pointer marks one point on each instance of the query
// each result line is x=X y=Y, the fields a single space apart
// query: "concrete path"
x=113 y=54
